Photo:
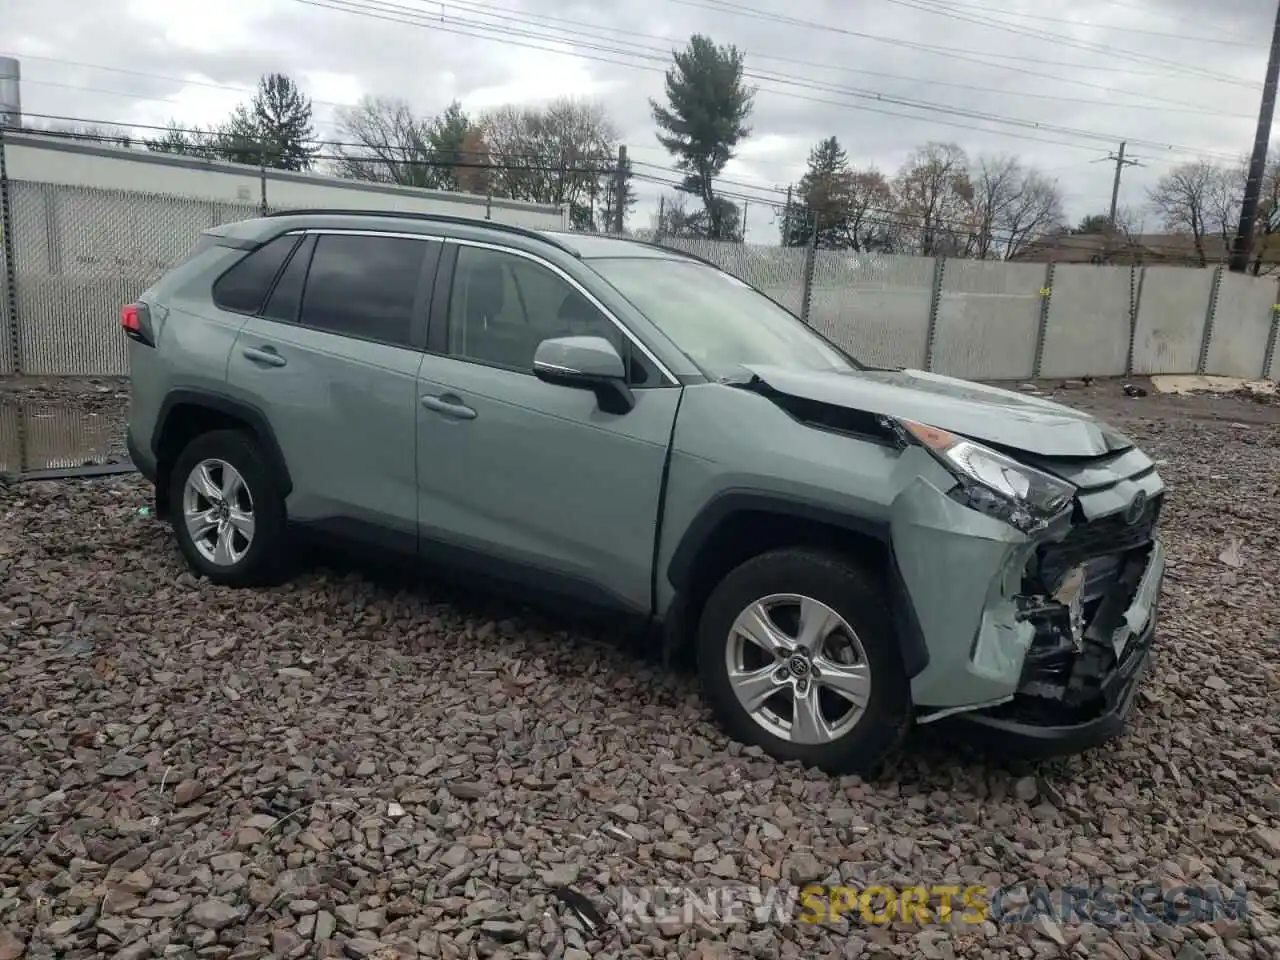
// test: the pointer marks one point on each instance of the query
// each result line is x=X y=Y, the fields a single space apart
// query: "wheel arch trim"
x=228 y=406
x=723 y=507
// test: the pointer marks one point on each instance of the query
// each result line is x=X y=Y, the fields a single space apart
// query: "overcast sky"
x=1090 y=72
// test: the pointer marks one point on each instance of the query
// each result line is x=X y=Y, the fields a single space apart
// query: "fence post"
x=1209 y=314
x=10 y=270
x=810 y=260
x=10 y=306
x=1269 y=354
x=1137 y=275
x=1042 y=329
x=931 y=331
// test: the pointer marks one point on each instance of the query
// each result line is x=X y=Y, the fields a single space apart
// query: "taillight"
x=135 y=320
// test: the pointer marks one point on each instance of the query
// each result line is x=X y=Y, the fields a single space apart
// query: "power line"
x=1111 y=28
x=726 y=6
x=663 y=54
x=450 y=160
x=1179 y=105
x=376 y=9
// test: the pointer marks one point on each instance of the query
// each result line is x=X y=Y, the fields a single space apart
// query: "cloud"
x=883 y=75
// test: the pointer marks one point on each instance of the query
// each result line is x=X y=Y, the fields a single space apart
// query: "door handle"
x=264 y=355
x=450 y=406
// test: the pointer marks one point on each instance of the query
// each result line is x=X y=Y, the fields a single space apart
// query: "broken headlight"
x=994 y=483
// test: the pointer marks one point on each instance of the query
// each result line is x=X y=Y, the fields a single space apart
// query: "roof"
x=595 y=246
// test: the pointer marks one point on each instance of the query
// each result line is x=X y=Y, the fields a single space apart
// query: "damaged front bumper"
x=1036 y=643
x=1033 y=726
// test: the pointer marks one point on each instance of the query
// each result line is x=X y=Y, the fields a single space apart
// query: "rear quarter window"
x=244 y=288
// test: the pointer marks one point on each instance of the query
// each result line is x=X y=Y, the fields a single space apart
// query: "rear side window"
x=286 y=298
x=365 y=287
x=244 y=287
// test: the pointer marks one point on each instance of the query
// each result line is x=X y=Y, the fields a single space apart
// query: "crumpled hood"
x=1002 y=417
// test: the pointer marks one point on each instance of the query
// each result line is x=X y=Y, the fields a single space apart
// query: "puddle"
x=50 y=436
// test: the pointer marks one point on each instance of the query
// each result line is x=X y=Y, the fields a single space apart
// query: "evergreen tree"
x=822 y=200
x=274 y=129
x=446 y=141
x=704 y=120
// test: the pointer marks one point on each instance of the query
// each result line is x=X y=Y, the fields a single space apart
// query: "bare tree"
x=870 y=221
x=935 y=198
x=387 y=143
x=554 y=154
x=1188 y=201
x=1013 y=206
x=1267 y=237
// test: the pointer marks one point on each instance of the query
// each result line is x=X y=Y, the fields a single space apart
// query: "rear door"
x=332 y=361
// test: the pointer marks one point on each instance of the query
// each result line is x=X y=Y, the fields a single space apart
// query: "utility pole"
x=786 y=220
x=1258 y=163
x=746 y=205
x=1120 y=163
x=620 y=189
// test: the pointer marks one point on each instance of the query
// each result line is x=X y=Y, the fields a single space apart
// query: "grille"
x=1108 y=536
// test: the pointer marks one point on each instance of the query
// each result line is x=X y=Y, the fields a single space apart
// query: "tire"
x=255 y=561
x=851 y=743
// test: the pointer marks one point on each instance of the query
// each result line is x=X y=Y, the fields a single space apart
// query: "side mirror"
x=586 y=363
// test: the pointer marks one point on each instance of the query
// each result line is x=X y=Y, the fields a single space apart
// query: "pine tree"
x=704 y=121
x=274 y=129
x=823 y=200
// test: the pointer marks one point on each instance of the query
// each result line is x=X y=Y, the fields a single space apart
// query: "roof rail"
x=676 y=250
x=526 y=232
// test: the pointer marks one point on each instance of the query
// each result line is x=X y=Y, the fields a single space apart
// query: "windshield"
x=718 y=321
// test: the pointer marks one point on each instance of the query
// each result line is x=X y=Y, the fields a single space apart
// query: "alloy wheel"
x=217 y=508
x=798 y=668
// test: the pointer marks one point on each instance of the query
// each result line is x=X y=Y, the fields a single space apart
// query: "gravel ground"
x=355 y=765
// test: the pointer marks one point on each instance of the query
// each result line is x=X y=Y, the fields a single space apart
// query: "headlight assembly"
x=994 y=483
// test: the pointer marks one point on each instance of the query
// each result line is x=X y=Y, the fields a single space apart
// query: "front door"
x=529 y=480
x=333 y=361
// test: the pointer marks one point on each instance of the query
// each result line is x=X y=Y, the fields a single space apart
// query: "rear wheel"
x=227 y=510
x=798 y=657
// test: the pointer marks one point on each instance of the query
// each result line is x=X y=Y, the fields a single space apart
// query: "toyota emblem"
x=1137 y=508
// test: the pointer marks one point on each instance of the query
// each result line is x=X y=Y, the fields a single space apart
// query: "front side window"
x=362 y=286
x=244 y=287
x=718 y=321
x=502 y=306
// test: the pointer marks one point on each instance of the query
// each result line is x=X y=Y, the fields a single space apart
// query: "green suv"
x=849 y=550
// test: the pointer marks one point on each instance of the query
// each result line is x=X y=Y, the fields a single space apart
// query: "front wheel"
x=798 y=657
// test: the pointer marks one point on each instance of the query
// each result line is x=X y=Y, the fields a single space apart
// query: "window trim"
x=271 y=284
x=439 y=314
x=419 y=317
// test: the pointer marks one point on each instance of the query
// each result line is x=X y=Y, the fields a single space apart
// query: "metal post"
x=10 y=269
x=1209 y=314
x=931 y=332
x=619 y=191
x=1136 y=276
x=11 y=318
x=1042 y=329
x=1269 y=354
x=262 y=175
x=810 y=261
x=786 y=220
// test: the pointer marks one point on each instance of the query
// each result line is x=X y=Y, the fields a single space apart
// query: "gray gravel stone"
x=357 y=758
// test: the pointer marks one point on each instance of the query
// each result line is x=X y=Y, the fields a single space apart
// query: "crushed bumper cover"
x=1000 y=731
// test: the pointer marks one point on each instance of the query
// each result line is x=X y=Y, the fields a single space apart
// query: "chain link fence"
x=74 y=254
